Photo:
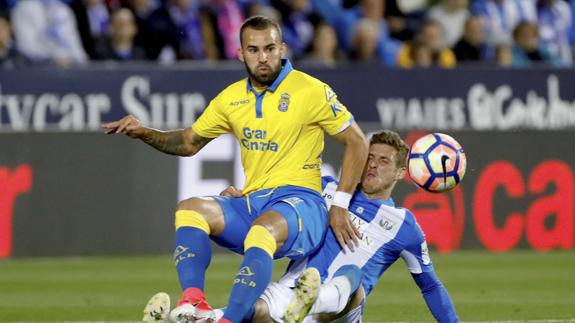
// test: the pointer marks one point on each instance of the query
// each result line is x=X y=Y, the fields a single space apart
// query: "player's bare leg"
x=196 y=220
x=276 y=225
x=261 y=312
x=209 y=209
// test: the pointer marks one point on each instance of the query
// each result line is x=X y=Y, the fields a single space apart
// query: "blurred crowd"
x=395 y=33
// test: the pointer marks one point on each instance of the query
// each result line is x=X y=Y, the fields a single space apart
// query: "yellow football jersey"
x=280 y=130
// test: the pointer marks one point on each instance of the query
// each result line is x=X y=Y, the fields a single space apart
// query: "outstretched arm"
x=354 y=158
x=182 y=142
x=436 y=297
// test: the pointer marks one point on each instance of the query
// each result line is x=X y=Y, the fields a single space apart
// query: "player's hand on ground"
x=128 y=125
x=345 y=232
x=232 y=192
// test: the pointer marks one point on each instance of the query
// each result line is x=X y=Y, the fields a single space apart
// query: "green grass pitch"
x=514 y=286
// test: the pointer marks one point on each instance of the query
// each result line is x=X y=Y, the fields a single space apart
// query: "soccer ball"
x=436 y=162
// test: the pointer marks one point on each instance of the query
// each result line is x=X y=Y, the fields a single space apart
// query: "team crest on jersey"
x=386 y=224
x=284 y=102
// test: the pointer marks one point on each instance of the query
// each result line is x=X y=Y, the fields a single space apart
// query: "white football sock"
x=219 y=313
x=333 y=296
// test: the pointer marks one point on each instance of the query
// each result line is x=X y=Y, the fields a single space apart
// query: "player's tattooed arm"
x=183 y=142
x=176 y=142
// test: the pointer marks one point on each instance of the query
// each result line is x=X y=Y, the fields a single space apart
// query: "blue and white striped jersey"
x=387 y=233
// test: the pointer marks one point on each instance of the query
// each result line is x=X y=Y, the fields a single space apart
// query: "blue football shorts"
x=304 y=210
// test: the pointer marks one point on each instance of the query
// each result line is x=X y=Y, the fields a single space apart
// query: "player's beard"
x=375 y=187
x=267 y=80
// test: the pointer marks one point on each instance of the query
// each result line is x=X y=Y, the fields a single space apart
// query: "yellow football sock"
x=260 y=237
x=189 y=218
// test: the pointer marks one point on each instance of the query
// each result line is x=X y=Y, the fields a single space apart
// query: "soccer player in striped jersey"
x=387 y=233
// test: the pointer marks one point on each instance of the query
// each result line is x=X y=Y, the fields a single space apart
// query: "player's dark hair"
x=259 y=23
x=393 y=139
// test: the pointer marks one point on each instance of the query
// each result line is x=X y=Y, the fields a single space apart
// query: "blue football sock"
x=252 y=279
x=192 y=255
x=249 y=317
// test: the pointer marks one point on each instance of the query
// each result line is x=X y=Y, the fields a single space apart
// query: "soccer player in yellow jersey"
x=279 y=116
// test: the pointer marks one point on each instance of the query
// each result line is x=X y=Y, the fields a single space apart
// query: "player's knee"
x=260 y=237
x=276 y=225
x=193 y=204
x=203 y=214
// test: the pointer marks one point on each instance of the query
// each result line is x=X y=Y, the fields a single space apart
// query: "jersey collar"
x=388 y=202
x=286 y=69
